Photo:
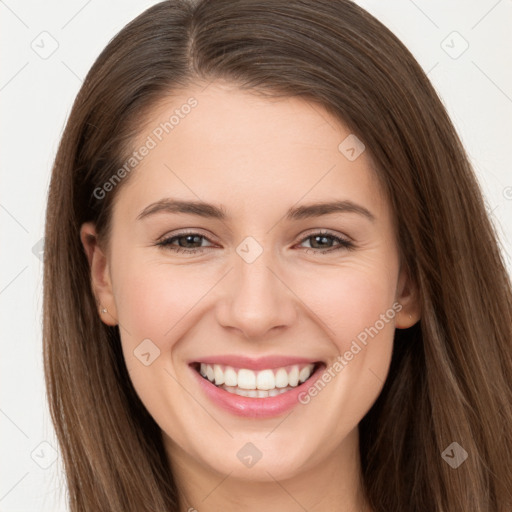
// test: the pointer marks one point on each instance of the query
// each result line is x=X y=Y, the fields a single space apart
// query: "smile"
x=264 y=383
x=262 y=387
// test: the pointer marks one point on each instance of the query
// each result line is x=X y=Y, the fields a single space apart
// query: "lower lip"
x=256 y=407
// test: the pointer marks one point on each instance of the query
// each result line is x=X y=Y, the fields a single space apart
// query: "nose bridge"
x=256 y=300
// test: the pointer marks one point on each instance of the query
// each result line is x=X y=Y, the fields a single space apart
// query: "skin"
x=256 y=157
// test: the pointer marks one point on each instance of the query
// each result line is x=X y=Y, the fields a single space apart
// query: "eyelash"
x=342 y=243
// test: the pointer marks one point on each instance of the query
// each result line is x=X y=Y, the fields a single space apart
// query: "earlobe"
x=408 y=297
x=100 y=274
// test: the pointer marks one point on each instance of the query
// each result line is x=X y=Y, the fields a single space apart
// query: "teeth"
x=230 y=378
x=218 y=374
x=304 y=374
x=255 y=393
x=293 y=376
x=245 y=380
x=281 y=378
x=265 y=380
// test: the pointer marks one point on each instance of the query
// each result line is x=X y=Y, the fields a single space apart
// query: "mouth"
x=263 y=383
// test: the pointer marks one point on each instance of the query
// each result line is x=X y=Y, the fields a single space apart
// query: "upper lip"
x=260 y=363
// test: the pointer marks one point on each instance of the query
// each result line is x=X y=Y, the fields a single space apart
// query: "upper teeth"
x=264 y=379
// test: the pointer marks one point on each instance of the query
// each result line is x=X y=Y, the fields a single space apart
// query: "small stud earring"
x=410 y=316
x=103 y=310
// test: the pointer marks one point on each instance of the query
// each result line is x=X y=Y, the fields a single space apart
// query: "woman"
x=270 y=278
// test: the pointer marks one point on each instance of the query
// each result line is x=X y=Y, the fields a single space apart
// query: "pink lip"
x=262 y=363
x=256 y=407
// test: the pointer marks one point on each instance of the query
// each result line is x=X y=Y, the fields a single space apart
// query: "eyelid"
x=323 y=231
x=187 y=231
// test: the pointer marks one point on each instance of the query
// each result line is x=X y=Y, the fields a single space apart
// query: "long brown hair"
x=450 y=374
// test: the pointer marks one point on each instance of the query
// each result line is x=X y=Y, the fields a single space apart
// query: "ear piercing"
x=103 y=311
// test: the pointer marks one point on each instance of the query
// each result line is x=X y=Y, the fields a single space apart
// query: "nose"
x=256 y=299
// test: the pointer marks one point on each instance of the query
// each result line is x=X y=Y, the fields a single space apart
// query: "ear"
x=408 y=296
x=100 y=274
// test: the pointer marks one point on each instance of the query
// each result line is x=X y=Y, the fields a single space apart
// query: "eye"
x=191 y=242
x=321 y=242
x=186 y=243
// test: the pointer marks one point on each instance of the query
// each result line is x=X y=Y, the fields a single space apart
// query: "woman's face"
x=257 y=280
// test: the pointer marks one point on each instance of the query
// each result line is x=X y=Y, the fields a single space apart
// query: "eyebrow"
x=208 y=210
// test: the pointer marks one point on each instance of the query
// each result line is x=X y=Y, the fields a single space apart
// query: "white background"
x=36 y=95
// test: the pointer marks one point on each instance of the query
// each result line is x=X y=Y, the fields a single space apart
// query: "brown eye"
x=186 y=240
x=326 y=242
x=186 y=243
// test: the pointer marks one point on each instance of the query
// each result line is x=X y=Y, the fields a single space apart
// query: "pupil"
x=320 y=237
x=190 y=239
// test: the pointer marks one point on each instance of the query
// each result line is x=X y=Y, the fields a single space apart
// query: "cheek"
x=155 y=302
x=355 y=305
x=152 y=298
x=350 y=298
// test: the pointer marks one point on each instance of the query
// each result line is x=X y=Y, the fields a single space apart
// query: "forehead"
x=234 y=147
